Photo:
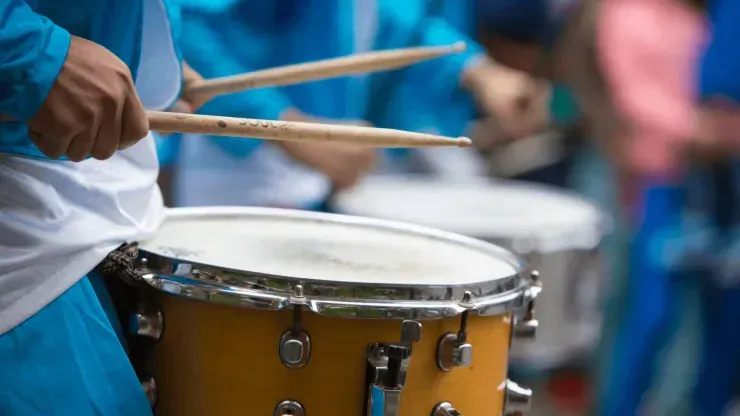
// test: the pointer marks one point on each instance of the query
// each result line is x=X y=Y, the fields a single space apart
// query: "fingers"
x=92 y=108
x=134 y=122
x=181 y=106
x=82 y=144
x=109 y=136
x=357 y=163
x=52 y=148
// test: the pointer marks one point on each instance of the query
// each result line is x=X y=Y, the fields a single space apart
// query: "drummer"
x=405 y=108
x=520 y=33
x=238 y=172
x=61 y=211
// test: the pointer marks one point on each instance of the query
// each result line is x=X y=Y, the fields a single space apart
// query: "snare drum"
x=558 y=233
x=260 y=311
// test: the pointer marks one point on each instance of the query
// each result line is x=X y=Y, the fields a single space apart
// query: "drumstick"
x=166 y=122
x=329 y=68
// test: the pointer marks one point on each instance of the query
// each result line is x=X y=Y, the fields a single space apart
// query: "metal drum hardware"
x=146 y=322
x=453 y=350
x=300 y=277
x=445 y=409
x=387 y=366
x=526 y=328
x=517 y=399
x=289 y=408
x=295 y=344
x=149 y=384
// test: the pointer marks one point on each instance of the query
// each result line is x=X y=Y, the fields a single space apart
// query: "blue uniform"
x=67 y=358
x=720 y=368
x=416 y=112
x=278 y=32
x=721 y=61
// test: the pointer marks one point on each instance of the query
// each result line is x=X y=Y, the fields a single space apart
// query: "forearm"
x=32 y=52
x=478 y=72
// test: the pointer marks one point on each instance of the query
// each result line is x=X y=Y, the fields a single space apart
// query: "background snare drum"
x=559 y=234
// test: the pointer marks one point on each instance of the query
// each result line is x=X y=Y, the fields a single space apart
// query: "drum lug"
x=149 y=384
x=289 y=408
x=526 y=328
x=147 y=322
x=517 y=399
x=295 y=344
x=445 y=409
x=387 y=364
x=295 y=348
x=453 y=350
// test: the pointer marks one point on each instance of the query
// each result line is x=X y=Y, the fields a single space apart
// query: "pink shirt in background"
x=649 y=51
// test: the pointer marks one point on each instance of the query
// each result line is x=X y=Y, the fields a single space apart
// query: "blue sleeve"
x=32 y=52
x=168 y=148
x=445 y=72
x=206 y=54
x=438 y=80
x=439 y=76
x=720 y=65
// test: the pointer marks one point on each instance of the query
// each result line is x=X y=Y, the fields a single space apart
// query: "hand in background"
x=519 y=103
x=343 y=164
x=716 y=132
x=188 y=103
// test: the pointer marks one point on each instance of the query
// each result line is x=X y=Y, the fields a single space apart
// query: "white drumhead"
x=327 y=247
x=550 y=218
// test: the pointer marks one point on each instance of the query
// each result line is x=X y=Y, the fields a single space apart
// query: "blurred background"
x=599 y=156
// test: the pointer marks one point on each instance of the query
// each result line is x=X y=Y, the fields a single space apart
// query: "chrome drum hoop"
x=330 y=298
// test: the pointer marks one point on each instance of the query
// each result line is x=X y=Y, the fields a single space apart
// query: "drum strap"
x=120 y=264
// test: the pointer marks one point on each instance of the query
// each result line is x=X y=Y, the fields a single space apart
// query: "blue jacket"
x=720 y=65
x=428 y=96
x=34 y=40
x=230 y=37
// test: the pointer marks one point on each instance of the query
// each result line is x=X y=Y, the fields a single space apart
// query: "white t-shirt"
x=59 y=219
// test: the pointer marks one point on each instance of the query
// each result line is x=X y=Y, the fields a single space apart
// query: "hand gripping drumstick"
x=295 y=131
x=167 y=122
x=312 y=71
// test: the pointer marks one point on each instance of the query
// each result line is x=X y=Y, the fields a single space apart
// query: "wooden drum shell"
x=219 y=360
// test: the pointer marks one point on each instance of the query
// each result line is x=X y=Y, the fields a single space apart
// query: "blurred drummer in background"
x=523 y=35
x=404 y=106
x=225 y=171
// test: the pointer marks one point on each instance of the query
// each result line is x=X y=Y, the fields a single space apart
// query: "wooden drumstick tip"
x=459 y=46
x=464 y=142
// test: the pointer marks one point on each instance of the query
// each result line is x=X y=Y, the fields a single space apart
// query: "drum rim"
x=215 y=284
x=586 y=237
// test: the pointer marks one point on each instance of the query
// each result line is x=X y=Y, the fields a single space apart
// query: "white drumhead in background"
x=327 y=247
x=552 y=219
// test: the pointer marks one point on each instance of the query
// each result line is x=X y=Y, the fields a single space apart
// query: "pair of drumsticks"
x=168 y=122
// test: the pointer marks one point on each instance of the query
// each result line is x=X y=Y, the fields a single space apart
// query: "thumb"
x=181 y=106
